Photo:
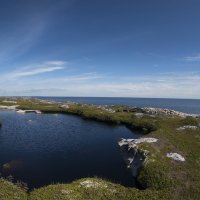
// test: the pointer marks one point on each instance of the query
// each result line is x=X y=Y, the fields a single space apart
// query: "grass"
x=90 y=189
x=10 y=191
x=162 y=177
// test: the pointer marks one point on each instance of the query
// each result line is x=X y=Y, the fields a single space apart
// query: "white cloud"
x=55 y=62
x=171 y=85
x=193 y=58
x=36 y=71
x=49 y=66
x=75 y=79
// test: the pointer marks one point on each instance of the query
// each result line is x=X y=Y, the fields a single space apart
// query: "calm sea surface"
x=183 y=105
x=50 y=148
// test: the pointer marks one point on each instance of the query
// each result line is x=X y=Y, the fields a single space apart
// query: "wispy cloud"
x=49 y=66
x=56 y=62
x=75 y=79
x=16 y=43
x=192 y=58
x=25 y=33
x=37 y=71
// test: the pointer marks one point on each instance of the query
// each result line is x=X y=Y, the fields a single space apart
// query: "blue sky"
x=127 y=48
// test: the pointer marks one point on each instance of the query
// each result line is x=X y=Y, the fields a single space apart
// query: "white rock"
x=186 y=127
x=8 y=107
x=9 y=101
x=133 y=142
x=176 y=156
x=38 y=112
x=168 y=112
x=29 y=111
x=139 y=115
x=64 y=106
x=20 y=111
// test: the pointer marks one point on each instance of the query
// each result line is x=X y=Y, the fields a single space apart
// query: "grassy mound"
x=92 y=189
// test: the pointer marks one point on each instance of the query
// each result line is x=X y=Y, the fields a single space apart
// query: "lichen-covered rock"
x=186 y=127
x=133 y=142
x=176 y=156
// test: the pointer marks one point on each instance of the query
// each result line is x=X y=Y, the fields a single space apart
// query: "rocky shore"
x=168 y=112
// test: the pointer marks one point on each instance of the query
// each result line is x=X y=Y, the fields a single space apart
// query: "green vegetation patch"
x=10 y=191
x=93 y=189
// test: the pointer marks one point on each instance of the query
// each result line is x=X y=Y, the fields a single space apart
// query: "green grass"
x=97 y=189
x=10 y=191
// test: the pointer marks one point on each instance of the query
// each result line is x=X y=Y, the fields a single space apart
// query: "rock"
x=106 y=108
x=8 y=101
x=38 y=112
x=29 y=111
x=167 y=112
x=20 y=111
x=139 y=115
x=133 y=142
x=64 y=106
x=186 y=127
x=176 y=156
x=8 y=107
x=134 y=156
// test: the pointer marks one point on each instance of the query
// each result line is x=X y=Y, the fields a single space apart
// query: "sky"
x=101 y=48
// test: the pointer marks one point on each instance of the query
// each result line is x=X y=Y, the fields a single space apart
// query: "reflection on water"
x=12 y=166
x=47 y=148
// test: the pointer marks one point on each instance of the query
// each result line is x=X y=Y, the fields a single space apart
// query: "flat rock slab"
x=8 y=107
x=176 y=156
x=186 y=127
x=133 y=142
x=139 y=115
